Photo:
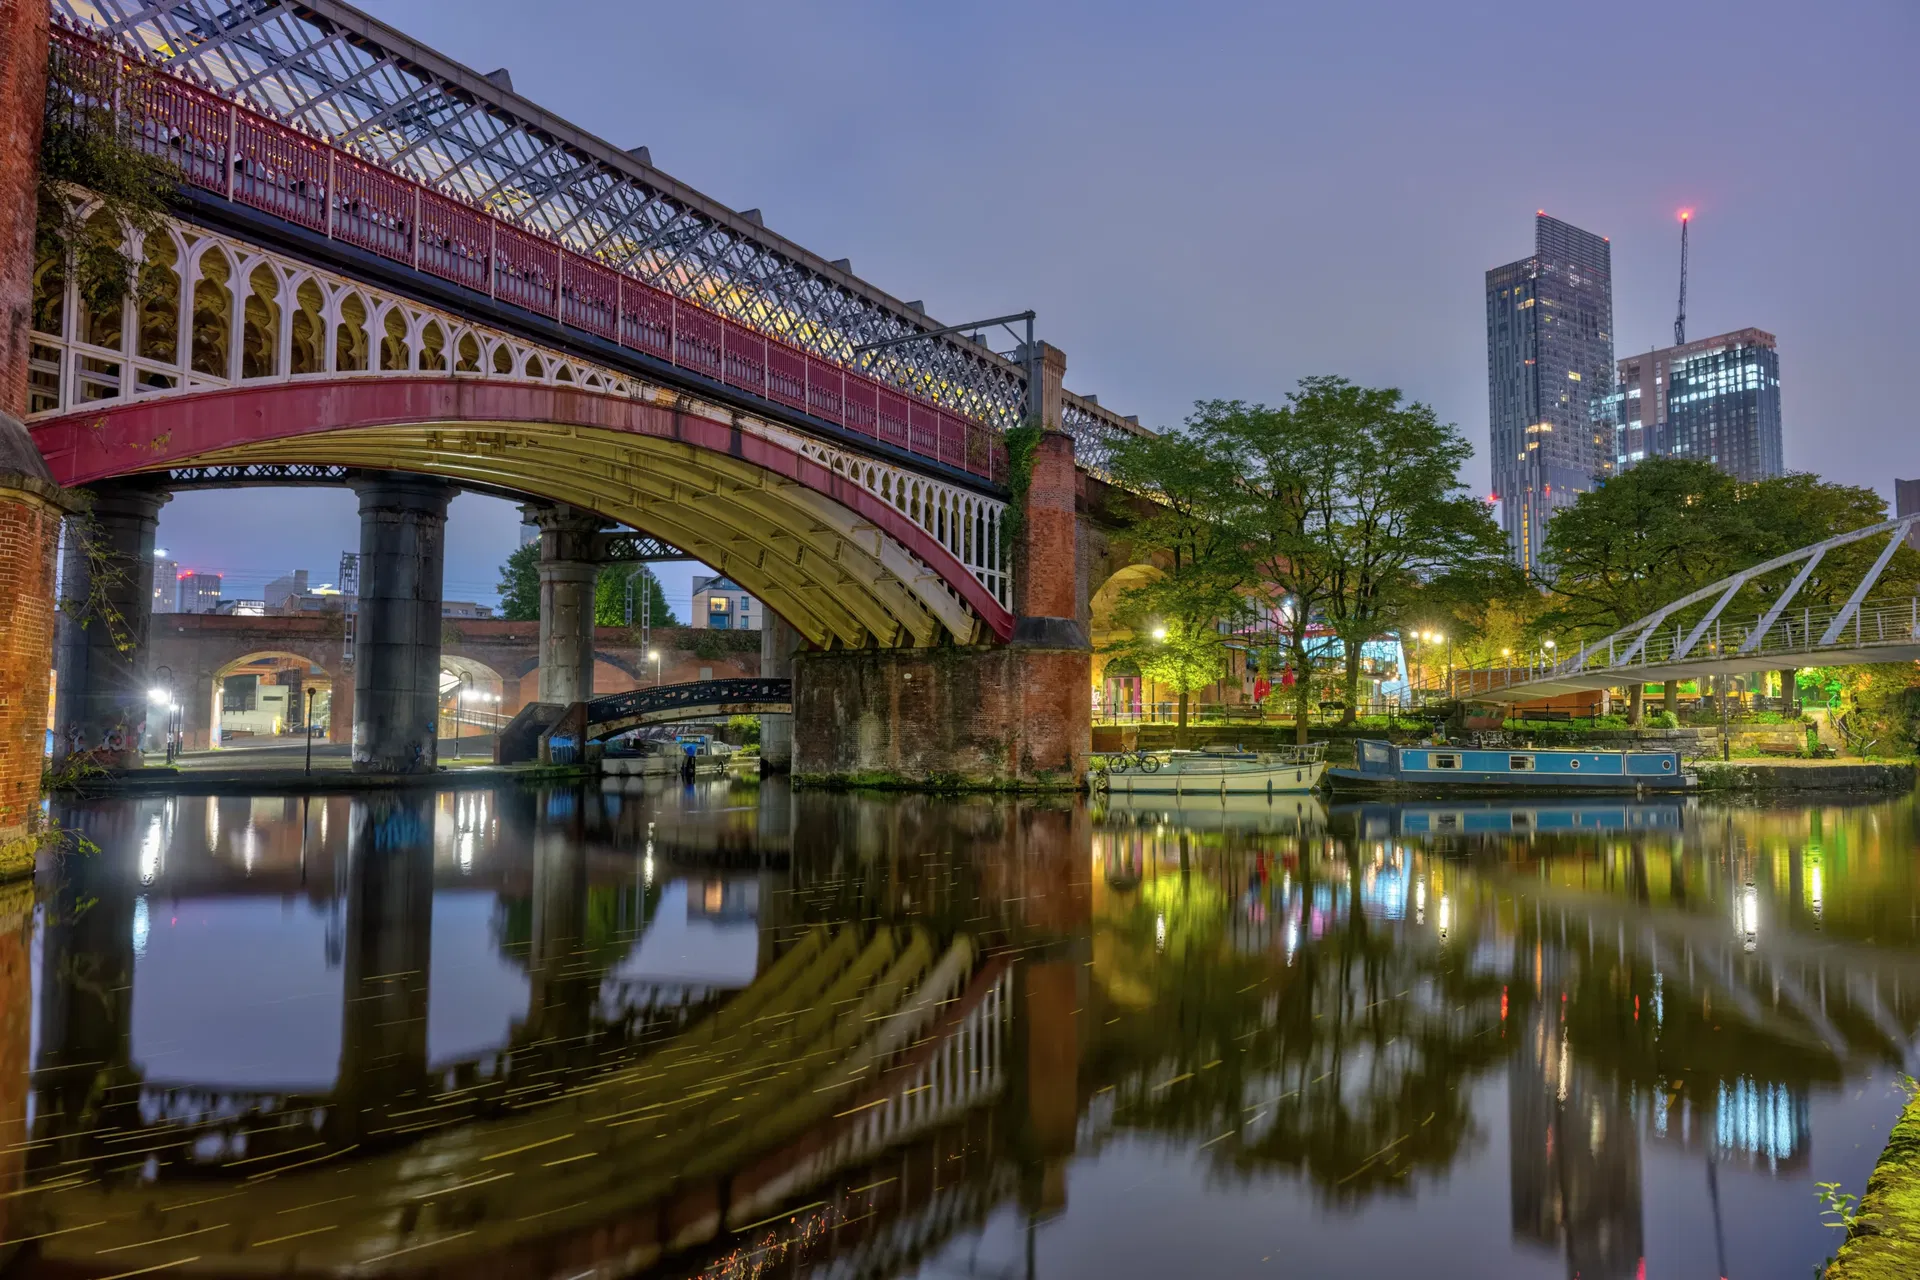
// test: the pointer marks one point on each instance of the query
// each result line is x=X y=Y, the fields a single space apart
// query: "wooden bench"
x=1774 y=747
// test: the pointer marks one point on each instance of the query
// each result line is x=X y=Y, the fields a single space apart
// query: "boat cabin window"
x=1520 y=764
x=1445 y=760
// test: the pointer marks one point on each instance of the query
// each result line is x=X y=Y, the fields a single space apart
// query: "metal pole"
x=309 y=732
x=1727 y=741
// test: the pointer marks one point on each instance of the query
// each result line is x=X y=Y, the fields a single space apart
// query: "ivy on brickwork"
x=105 y=572
x=98 y=193
x=1023 y=442
x=42 y=832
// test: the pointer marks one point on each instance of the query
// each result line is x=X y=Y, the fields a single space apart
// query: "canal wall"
x=1775 y=776
x=1883 y=1241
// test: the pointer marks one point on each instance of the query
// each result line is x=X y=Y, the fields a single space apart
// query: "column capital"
x=402 y=491
x=560 y=517
x=23 y=470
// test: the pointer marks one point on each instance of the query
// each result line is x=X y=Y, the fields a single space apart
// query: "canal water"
x=729 y=1030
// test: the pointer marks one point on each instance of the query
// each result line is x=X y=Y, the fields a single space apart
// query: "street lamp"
x=307 y=729
x=460 y=693
x=653 y=656
x=165 y=699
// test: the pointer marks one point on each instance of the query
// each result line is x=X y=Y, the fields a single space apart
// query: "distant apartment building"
x=241 y=608
x=720 y=604
x=276 y=592
x=465 y=609
x=196 y=592
x=1906 y=501
x=166 y=585
x=1715 y=399
x=1549 y=348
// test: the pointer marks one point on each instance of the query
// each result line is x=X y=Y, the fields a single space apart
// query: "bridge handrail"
x=1653 y=647
x=239 y=154
x=1893 y=622
x=691 y=693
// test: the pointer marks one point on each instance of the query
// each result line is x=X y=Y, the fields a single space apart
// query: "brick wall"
x=16 y=1032
x=1013 y=717
x=29 y=529
x=23 y=94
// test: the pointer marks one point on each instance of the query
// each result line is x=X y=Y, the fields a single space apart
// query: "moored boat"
x=1447 y=770
x=1219 y=773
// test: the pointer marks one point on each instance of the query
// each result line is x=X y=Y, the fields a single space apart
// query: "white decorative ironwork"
x=220 y=312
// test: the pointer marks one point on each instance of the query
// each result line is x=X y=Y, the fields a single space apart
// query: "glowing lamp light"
x=1686 y=215
x=158 y=695
x=1159 y=633
x=653 y=655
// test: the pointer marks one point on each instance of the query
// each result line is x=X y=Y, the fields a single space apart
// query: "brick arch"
x=839 y=562
x=199 y=649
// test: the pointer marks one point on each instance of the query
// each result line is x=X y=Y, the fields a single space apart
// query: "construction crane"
x=1680 y=317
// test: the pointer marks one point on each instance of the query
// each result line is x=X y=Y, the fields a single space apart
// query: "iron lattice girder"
x=365 y=85
x=616 y=713
x=637 y=548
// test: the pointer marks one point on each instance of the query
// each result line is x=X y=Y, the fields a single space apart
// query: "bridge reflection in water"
x=728 y=1030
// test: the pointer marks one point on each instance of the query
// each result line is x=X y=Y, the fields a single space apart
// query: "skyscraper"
x=197 y=592
x=165 y=574
x=1549 y=349
x=1716 y=399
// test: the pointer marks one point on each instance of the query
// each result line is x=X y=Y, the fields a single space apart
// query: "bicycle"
x=1121 y=761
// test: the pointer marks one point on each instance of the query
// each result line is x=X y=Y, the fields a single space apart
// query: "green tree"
x=1288 y=484
x=1647 y=536
x=520 y=584
x=1181 y=517
x=1398 y=516
x=610 y=597
x=1785 y=513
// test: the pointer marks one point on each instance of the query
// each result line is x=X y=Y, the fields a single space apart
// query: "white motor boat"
x=1213 y=772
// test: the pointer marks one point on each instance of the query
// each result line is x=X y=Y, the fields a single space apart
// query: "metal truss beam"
x=365 y=84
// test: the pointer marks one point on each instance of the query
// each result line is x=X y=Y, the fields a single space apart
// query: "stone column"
x=396 y=642
x=561 y=980
x=778 y=640
x=1046 y=561
x=389 y=955
x=1017 y=715
x=569 y=564
x=106 y=621
x=86 y=997
x=1054 y=730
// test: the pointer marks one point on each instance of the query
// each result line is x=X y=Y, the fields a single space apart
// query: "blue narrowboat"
x=1570 y=816
x=1431 y=770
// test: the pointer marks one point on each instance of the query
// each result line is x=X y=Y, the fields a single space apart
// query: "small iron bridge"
x=616 y=713
x=1660 y=647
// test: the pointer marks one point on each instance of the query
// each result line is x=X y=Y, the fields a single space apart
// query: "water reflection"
x=725 y=1029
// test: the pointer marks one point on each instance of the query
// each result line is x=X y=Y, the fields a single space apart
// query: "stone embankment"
x=1883 y=1243
x=1778 y=776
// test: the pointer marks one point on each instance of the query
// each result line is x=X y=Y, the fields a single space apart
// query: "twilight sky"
x=1213 y=199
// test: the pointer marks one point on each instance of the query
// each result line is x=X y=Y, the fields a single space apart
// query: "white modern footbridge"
x=1661 y=647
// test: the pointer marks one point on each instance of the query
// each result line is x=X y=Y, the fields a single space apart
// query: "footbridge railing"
x=694 y=700
x=1661 y=645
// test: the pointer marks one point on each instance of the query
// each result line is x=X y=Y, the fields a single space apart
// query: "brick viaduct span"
x=323 y=303
x=498 y=656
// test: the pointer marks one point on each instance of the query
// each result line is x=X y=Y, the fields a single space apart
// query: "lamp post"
x=1159 y=637
x=307 y=728
x=167 y=703
x=653 y=656
x=460 y=692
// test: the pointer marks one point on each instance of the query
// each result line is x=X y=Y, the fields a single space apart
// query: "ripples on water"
x=729 y=1031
